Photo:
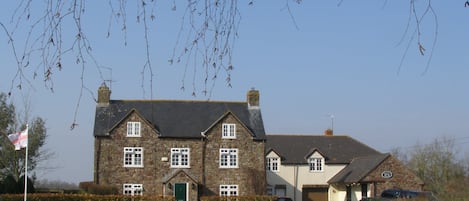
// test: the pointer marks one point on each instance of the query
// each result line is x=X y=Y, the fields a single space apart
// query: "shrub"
x=238 y=198
x=85 y=185
x=98 y=189
x=83 y=197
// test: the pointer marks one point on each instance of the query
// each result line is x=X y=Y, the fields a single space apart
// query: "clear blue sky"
x=343 y=60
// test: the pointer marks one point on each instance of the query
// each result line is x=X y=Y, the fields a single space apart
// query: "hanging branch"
x=205 y=40
x=416 y=17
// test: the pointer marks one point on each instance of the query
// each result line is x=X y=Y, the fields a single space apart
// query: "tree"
x=55 y=184
x=438 y=164
x=12 y=161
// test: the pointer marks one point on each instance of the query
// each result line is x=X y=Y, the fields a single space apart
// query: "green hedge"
x=238 y=198
x=90 y=197
x=82 y=197
x=99 y=189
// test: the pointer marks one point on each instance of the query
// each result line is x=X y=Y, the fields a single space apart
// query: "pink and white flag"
x=19 y=139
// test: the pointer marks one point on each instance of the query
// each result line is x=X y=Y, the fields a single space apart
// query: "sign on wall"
x=386 y=174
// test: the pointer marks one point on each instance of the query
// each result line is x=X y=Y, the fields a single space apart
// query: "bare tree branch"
x=417 y=18
x=206 y=39
x=203 y=48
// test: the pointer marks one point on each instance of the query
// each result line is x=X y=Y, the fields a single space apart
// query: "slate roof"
x=178 y=119
x=358 y=169
x=295 y=149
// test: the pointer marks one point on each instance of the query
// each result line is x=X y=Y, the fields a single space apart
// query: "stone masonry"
x=204 y=175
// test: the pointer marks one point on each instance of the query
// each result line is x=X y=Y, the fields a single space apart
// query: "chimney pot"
x=329 y=132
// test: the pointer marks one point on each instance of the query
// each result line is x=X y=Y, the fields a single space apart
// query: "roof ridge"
x=306 y=135
x=175 y=100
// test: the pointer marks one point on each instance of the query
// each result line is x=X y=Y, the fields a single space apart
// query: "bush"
x=83 y=197
x=238 y=198
x=85 y=185
x=10 y=185
x=98 y=189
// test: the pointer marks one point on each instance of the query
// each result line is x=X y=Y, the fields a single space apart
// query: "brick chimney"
x=328 y=132
x=104 y=95
x=253 y=99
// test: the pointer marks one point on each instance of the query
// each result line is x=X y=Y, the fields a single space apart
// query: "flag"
x=19 y=139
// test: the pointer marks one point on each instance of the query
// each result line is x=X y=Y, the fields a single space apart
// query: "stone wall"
x=250 y=174
x=402 y=177
x=111 y=163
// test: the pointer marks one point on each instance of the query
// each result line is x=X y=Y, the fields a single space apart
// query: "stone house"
x=185 y=149
x=331 y=168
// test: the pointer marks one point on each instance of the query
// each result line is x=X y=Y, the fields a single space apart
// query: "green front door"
x=180 y=191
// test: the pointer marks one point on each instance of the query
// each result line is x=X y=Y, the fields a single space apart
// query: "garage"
x=315 y=193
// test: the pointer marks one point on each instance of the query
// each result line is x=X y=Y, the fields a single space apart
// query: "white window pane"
x=229 y=131
x=137 y=128
x=228 y=190
x=180 y=157
x=228 y=158
x=133 y=157
x=133 y=129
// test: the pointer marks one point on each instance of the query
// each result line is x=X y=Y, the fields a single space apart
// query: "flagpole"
x=26 y=169
x=20 y=140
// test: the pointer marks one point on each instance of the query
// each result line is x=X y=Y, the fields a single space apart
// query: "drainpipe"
x=295 y=175
x=97 y=157
x=164 y=191
x=204 y=147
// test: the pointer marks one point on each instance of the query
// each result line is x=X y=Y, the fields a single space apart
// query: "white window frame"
x=132 y=189
x=228 y=131
x=180 y=157
x=133 y=157
x=316 y=164
x=228 y=158
x=273 y=164
x=228 y=190
x=133 y=129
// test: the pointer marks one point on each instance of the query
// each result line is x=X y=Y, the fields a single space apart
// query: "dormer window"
x=272 y=164
x=133 y=129
x=316 y=164
x=229 y=131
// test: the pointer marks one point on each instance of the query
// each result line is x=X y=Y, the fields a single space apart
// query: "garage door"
x=314 y=194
